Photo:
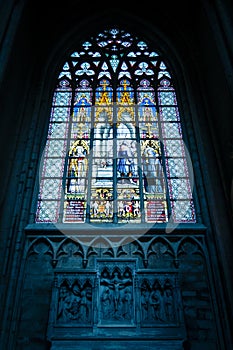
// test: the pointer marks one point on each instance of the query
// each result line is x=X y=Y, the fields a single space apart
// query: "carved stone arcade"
x=124 y=292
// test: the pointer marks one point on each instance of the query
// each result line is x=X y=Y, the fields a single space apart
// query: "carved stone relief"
x=116 y=298
x=116 y=294
x=73 y=299
x=159 y=300
x=139 y=288
x=74 y=304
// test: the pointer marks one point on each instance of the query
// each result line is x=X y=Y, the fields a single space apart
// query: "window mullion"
x=66 y=164
x=169 y=210
x=90 y=165
x=140 y=174
x=115 y=203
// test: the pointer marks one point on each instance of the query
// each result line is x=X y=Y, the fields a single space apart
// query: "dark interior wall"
x=217 y=87
x=34 y=34
x=213 y=97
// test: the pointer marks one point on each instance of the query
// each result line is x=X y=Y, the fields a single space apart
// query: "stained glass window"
x=115 y=151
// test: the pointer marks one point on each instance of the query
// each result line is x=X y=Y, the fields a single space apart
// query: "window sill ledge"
x=114 y=229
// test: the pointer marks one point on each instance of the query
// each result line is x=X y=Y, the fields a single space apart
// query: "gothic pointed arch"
x=115 y=151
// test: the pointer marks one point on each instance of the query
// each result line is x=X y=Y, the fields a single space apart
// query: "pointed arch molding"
x=115 y=151
x=160 y=247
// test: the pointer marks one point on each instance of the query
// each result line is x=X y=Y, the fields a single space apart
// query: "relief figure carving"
x=116 y=296
x=157 y=302
x=74 y=304
x=169 y=304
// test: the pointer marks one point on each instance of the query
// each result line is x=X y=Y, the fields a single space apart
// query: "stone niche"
x=116 y=306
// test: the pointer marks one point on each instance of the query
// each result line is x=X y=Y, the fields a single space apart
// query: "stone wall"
x=140 y=289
